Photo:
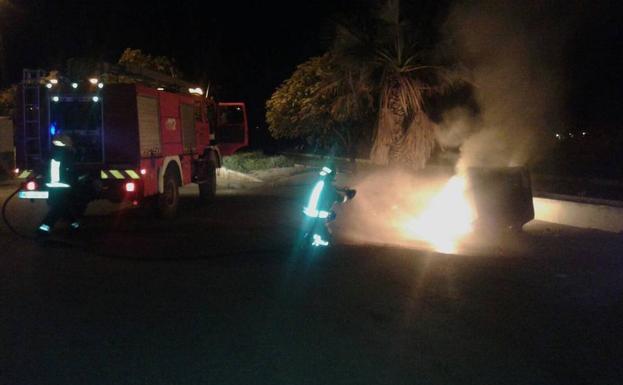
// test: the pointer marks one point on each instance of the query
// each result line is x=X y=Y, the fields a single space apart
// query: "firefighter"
x=62 y=184
x=320 y=206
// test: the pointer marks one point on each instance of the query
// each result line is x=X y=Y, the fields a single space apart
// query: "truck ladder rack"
x=31 y=117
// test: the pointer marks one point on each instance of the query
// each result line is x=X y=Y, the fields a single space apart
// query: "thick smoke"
x=512 y=51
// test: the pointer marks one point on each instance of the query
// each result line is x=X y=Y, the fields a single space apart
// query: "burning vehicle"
x=440 y=212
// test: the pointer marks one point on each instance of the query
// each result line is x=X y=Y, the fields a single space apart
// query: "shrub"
x=254 y=161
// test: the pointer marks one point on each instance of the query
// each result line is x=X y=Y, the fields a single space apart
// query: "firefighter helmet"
x=328 y=171
x=62 y=140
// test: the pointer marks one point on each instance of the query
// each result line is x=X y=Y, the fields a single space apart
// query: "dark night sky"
x=249 y=47
x=246 y=47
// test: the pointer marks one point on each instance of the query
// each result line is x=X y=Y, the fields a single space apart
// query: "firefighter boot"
x=43 y=231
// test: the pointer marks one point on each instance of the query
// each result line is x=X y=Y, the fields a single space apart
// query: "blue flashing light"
x=52 y=128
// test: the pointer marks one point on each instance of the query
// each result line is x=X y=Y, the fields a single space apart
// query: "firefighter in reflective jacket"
x=61 y=181
x=320 y=206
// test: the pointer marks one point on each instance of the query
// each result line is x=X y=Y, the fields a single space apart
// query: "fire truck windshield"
x=81 y=118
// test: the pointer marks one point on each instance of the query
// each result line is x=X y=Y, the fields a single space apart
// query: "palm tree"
x=387 y=54
x=349 y=102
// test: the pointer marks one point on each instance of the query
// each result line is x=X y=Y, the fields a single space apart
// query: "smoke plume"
x=512 y=52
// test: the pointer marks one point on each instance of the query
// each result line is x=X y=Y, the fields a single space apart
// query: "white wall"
x=585 y=215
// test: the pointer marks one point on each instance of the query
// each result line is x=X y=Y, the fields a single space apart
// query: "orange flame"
x=447 y=218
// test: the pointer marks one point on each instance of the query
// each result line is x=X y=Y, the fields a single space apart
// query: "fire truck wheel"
x=169 y=199
x=207 y=188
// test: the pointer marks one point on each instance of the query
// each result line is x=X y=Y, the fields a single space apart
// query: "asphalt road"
x=217 y=296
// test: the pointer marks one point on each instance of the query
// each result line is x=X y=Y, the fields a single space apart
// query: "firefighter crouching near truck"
x=64 y=185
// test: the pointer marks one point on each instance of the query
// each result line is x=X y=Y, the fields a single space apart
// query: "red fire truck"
x=136 y=141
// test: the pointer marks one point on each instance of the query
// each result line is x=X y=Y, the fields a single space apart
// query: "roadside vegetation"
x=371 y=87
x=255 y=161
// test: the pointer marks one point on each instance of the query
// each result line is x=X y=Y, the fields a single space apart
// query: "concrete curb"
x=231 y=174
x=234 y=179
x=578 y=214
x=231 y=179
x=312 y=156
x=577 y=199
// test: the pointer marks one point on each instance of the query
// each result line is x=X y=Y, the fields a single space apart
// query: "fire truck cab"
x=136 y=141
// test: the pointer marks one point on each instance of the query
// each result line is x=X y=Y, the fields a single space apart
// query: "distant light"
x=56 y=98
x=45 y=228
x=160 y=88
x=96 y=99
x=74 y=85
x=54 y=81
x=196 y=91
x=58 y=143
x=571 y=135
x=143 y=171
x=49 y=85
x=31 y=186
x=135 y=203
x=100 y=85
x=558 y=136
x=583 y=133
x=16 y=171
x=93 y=81
x=130 y=187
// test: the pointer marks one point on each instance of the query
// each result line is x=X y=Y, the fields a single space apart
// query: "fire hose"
x=6 y=221
x=109 y=256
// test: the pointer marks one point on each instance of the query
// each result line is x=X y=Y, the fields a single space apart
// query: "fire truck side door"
x=231 y=131
x=202 y=127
